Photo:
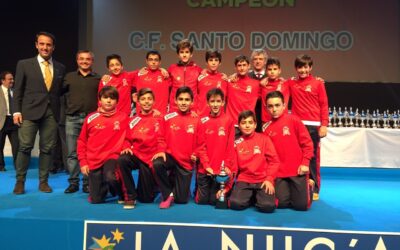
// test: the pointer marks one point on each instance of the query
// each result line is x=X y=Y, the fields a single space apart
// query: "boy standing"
x=183 y=73
x=100 y=144
x=310 y=104
x=121 y=80
x=218 y=132
x=242 y=94
x=143 y=141
x=257 y=165
x=273 y=82
x=295 y=149
x=209 y=80
x=174 y=167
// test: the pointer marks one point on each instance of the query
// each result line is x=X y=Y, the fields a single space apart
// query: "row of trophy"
x=365 y=119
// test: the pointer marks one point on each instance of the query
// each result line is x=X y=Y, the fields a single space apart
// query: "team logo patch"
x=135 y=121
x=99 y=126
x=256 y=150
x=124 y=82
x=159 y=79
x=156 y=127
x=279 y=87
x=285 y=131
x=174 y=127
x=92 y=117
x=190 y=129
x=248 y=89
x=238 y=141
x=308 y=88
x=219 y=84
x=221 y=131
x=170 y=115
x=209 y=131
x=116 y=125
x=178 y=78
x=143 y=130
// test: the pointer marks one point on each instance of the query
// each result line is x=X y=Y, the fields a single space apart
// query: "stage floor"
x=351 y=199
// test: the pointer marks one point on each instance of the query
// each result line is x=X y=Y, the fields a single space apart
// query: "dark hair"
x=273 y=60
x=185 y=43
x=109 y=91
x=214 y=92
x=153 y=52
x=246 y=114
x=275 y=94
x=144 y=91
x=184 y=89
x=213 y=54
x=48 y=34
x=302 y=60
x=85 y=51
x=113 y=56
x=240 y=59
x=3 y=74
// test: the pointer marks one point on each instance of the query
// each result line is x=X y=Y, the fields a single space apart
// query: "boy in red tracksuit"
x=174 y=167
x=243 y=93
x=257 y=165
x=99 y=145
x=152 y=77
x=295 y=149
x=218 y=131
x=143 y=141
x=209 y=80
x=310 y=104
x=121 y=80
x=273 y=82
x=183 y=73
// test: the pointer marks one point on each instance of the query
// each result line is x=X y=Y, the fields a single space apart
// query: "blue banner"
x=111 y=235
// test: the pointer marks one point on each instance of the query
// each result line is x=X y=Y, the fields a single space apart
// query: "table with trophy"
x=362 y=138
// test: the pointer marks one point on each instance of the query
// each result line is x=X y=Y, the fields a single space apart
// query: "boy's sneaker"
x=130 y=204
x=167 y=203
x=315 y=196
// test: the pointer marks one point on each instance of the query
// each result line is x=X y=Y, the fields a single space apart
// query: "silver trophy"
x=363 y=118
x=222 y=178
x=385 y=119
x=368 y=121
x=340 y=117
x=334 y=117
x=330 y=117
x=374 y=119
x=351 y=117
x=395 y=118
x=346 y=117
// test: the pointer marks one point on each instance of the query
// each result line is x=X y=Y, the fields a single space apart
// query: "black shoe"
x=85 y=189
x=71 y=189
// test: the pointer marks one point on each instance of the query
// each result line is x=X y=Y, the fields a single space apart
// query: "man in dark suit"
x=38 y=85
x=7 y=127
x=258 y=60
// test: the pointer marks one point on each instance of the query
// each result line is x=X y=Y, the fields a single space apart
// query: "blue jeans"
x=73 y=126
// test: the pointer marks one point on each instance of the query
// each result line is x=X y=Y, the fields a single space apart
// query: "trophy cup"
x=330 y=117
x=357 y=119
x=363 y=117
x=395 y=118
x=385 y=120
x=368 y=116
x=374 y=118
x=351 y=117
x=346 y=117
x=222 y=178
x=335 y=117
x=340 y=117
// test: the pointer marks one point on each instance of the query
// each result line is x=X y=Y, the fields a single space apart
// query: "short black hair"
x=214 y=92
x=241 y=58
x=275 y=94
x=45 y=33
x=113 y=56
x=109 y=91
x=144 y=91
x=273 y=60
x=184 y=89
x=153 y=52
x=246 y=114
x=302 y=60
x=3 y=74
x=213 y=54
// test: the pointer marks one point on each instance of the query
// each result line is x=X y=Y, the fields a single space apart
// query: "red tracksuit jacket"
x=182 y=139
x=242 y=95
x=257 y=160
x=274 y=85
x=123 y=83
x=101 y=138
x=144 y=137
x=292 y=143
x=183 y=75
x=205 y=83
x=309 y=100
x=156 y=82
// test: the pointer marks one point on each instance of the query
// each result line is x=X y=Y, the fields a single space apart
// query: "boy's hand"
x=233 y=78
x=156 y=113
x=323 y=130
x=264 y=82
x=158 y=155
x=85 y=170
x=143 y=71
x=269 y=188
x=193 y=114
x=219 y=193
x=193 y=158
x=210 y=171
x=165 y=73
x=224 y=77
x=105 y=78
x=303 y=169
x=126 y=151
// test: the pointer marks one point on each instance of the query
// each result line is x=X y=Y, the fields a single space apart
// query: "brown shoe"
x=45 y=188
x=19 y=187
